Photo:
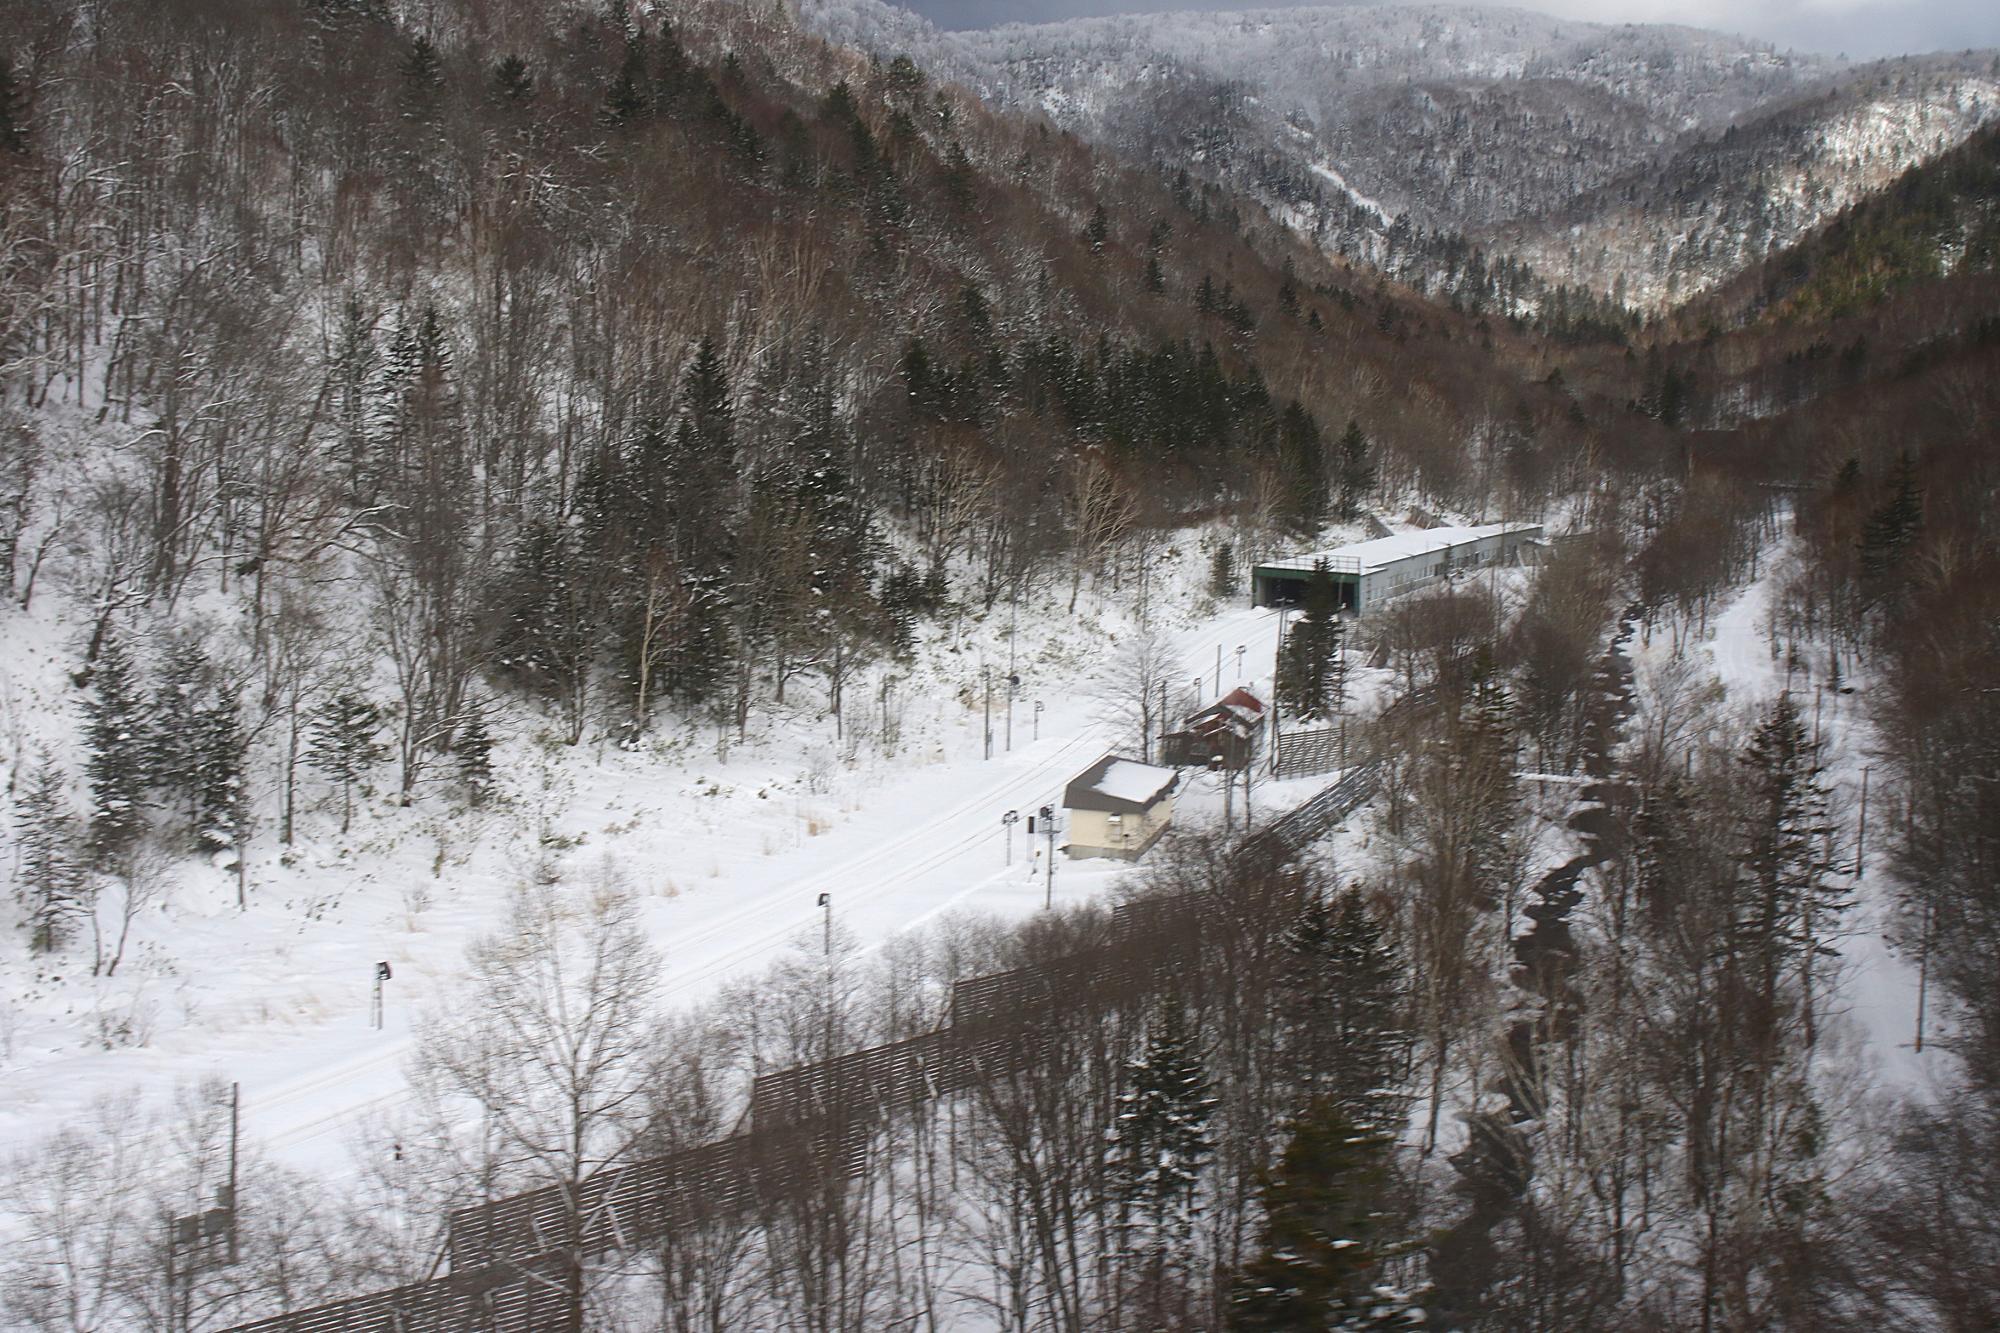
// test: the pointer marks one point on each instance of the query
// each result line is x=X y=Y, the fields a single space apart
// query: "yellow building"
x=1119 y=807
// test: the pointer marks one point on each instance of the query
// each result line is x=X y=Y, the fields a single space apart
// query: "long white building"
x=1367 y=574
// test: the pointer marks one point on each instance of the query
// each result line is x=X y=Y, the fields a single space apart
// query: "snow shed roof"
x=1371 y=557
x=1119 y=786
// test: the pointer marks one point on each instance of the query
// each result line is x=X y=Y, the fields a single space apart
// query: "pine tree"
x=1892 y=530
x=50 y=880
x=343 y=744
x=1098 y=231
x=625 y=102
x=181 y=692
x=1345 y=987
x=423 y=75
x=1322 y=1246
x=1156 y=279
x=1356 y=470
x=1790 y=907
x=221 y=806
x=13 y=113
x=513 y=81
x=1222 y=570
x=1488 y=754
x=116 y=735
x=473 y=748
x=1204 y=296
x=1160 y=1142
x=1311 y=678
x=960 y=180
x=1288 y=289
x=1302 y=470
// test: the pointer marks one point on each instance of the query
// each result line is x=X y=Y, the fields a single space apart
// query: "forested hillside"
x=1938 y=220
x=601 y=364
x=1502 y=158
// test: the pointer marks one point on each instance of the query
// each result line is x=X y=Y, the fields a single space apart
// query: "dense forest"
x=388 y=389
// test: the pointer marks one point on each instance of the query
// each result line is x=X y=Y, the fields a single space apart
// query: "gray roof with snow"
x=1368 y=557
x=1119 y=786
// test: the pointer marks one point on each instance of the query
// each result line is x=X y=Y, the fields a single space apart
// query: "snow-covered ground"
x=727 y=845
x=1877 y=984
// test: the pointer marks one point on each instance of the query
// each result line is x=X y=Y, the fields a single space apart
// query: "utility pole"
x=826 y=909
x=1048 y=817
x=1007 y=822
x=1277 y=661
x=1013 y=680
x=382 y=974
x=986 y=673
x=1218 y=671
x=1038 y=719
x=235 y=1126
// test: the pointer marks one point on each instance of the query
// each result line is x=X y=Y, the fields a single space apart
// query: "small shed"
x=1225 y=730
x=1119 y=807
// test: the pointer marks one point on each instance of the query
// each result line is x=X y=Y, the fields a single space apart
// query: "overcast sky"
x=1861 y=28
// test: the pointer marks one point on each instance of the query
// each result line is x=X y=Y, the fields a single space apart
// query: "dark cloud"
x=1860 y=28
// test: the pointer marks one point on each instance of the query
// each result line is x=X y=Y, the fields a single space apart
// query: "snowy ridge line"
x=510 y=1257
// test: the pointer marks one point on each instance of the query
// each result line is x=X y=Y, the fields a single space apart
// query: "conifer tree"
x=626 y=101
x=1098 y=230
x=513 y=81
x=218 y=779
x=49 y=881
x=1357 y=470
x=1893 y=529
x=1790 y=908
x=116 y=736
x=343 y=744
x=1302 y=469
x=1161 y=1138
x=1346 y=1038
x=1222 y=570
x=181 y=693
x=1311 y=678
x=1156 y=280
x=13 y=112
x=423 y=75
x=1320 y=1255
x=473 y=748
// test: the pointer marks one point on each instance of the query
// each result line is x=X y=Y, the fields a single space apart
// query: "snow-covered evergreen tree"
x=116 y=736
x=1318 y=1267
x=1347 y=1039
x=1790 y=908
x=344 y=745
x=473 y=749
x=1312 y=678
x=49 y=881
x=1161 y=1141
x=217 y=782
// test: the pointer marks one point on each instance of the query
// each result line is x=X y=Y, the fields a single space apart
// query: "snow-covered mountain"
x=1641 y=160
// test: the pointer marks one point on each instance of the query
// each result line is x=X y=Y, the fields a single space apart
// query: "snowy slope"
x=728 y=856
